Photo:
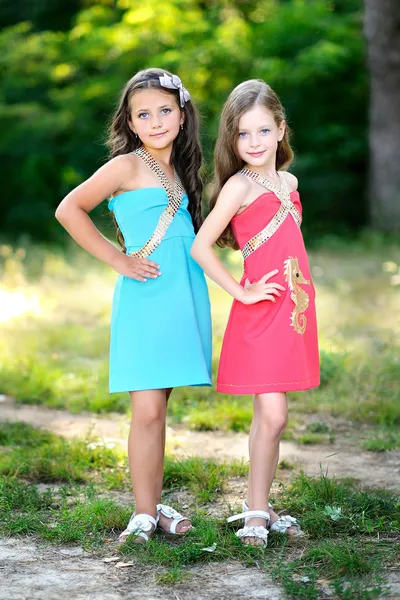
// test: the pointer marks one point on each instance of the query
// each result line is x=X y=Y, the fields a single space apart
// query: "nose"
x=156 y=122
x=254 y=143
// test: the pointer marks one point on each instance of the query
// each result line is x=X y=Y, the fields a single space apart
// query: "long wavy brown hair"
x=186 y=151
x=227 y=161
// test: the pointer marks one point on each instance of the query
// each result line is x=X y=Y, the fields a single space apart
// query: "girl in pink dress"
x=270 y=345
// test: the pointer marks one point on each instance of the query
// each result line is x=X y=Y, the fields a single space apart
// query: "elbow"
x=58 y=214
x=194 y=251
x=61 y=213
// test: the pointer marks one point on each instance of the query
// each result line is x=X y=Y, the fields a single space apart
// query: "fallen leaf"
x=111 y=559
x=210 y=548
x=121 y=565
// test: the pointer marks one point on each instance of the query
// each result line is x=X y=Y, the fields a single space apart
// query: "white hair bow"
x=175 y=83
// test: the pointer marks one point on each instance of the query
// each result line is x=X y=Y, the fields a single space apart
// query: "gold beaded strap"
x=174 y=194
x=287 y=207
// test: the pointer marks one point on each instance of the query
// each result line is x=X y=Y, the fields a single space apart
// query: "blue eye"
x=166 y=111
x=265 y=130
x=242 y=134
x=143 y=115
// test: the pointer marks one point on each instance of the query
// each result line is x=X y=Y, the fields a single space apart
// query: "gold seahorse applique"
x=294 y=276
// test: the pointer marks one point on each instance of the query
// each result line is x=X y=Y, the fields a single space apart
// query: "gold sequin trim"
x=174 y=194
x=287 y=207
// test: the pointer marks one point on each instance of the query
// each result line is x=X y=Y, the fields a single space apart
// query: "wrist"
x=114 y=258
x=240 y=296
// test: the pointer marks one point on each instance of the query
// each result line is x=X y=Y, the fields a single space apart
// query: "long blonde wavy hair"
x=227 y=161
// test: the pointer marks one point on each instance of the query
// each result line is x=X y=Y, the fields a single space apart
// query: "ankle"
x=146 y=509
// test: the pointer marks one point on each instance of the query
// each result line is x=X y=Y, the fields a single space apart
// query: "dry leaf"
x=121 y=565
x=111 y=559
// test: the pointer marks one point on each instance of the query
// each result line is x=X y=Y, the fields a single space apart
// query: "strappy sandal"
x=139 y=525
x=282 y=524
x=258 y=532
x=171 y=513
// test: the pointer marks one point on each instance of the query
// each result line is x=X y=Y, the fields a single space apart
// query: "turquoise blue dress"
x=161 y=328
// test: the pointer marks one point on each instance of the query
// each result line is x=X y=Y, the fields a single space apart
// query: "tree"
x=382 y=30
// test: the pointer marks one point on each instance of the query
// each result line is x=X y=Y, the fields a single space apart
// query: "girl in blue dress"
x=160 y=326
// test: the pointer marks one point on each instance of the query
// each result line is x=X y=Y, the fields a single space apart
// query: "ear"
x=282 y=129
x=181 y=122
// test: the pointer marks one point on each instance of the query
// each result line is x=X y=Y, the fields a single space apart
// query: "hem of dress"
x=116 y=390
x=264 y=388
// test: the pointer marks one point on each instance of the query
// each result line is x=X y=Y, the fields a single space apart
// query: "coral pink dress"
x=272 y=347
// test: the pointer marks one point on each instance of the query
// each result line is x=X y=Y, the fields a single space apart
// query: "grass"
x=351 y=536
x=54 y=352
x=382 y=440
x=54 y=345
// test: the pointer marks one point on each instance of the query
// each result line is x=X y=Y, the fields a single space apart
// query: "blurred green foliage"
x=64 y=63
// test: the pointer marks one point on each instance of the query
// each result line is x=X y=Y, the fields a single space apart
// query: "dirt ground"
x=343 y=458
x=38 y=572
x=35 y=571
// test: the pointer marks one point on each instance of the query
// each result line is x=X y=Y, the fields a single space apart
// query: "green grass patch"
x=351 y=534
x=54 y=347
x=41 y=456
x=382 y=440
x=205 y=478
x=329 y=508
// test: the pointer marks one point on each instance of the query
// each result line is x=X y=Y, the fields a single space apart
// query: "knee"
x=274 y=424
x=149 y=416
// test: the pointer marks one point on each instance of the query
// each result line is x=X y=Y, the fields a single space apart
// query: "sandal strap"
x=139 y=524
x=250 y=514
x=173 y=514
x=168 y=511
x=245 y=506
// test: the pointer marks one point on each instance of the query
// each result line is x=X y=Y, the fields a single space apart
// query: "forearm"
x=82 y=229
x=215 y=270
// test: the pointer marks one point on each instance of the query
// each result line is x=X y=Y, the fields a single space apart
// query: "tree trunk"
x=382 y=30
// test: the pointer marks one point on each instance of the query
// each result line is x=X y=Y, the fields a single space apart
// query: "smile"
x=255 y=154
x=157 y=135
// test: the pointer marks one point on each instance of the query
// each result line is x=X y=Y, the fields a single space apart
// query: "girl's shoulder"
x=291 y=180
x=124 y=161
x=237 y=184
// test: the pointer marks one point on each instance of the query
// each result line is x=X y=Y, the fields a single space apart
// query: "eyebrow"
x=260 y=127
x=147 y=109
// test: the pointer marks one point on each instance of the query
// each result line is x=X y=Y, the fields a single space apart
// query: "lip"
x=157 y=135
x=255 y=154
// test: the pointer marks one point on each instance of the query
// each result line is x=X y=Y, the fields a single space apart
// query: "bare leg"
x=268 y=425
x=164 y=522
x=145 y=447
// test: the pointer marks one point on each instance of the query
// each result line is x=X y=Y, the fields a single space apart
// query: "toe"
x=184 y=526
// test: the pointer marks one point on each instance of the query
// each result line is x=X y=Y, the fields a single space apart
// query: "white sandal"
x=259 y=532
x=282 y=524
x=171 y=513
x=139 y=524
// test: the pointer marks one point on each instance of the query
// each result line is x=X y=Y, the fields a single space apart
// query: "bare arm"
x=228 y=203
x=73 y=215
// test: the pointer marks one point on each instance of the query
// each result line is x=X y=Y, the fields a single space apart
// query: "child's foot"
x=256 y=525
x=285 y=524
x=142 y=526
x=291 y=530
x=171 y=521
x=254 y=532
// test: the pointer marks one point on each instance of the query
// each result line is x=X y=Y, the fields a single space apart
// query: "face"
x=155 y=117
x=258 y=136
